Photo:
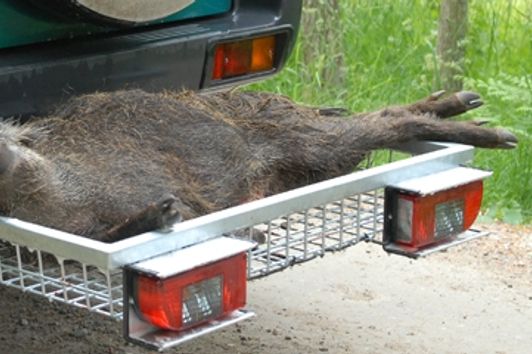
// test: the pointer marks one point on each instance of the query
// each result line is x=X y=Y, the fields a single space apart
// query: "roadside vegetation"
x=365 y=54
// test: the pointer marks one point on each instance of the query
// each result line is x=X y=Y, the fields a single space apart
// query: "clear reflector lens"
x=202 y=301
x=449 y=218
x=404 y=220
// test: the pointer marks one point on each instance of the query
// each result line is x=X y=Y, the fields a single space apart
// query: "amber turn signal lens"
x=263 y=54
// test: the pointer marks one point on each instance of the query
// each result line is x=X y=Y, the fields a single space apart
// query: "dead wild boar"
x=111 y=165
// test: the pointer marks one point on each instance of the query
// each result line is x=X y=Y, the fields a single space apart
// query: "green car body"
x=45 y=57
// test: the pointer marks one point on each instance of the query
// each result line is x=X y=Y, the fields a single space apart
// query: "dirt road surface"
x=475 y=298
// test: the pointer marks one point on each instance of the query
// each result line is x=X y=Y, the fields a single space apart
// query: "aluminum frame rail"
x=430 y=158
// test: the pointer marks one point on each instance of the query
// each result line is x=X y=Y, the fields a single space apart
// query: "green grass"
x=372 y=53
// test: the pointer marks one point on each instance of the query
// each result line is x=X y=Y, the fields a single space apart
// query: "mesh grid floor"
x=300 y=237
x=286 y=241
x=69 y=281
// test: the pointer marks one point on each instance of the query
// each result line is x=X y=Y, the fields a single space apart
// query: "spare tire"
x=116 y=11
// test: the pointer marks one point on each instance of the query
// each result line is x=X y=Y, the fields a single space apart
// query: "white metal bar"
x=86 y=283
x=41 y=271
x=269 y=250
x=440 y=181
x=180 y=261
x=466 y=236
x=63 y=278
x=19 y=266
x=110 y=302
x=160 y=340
x=341 y=221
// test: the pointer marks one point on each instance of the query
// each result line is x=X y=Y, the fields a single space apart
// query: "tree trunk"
x=322 y=36
x=451 y=43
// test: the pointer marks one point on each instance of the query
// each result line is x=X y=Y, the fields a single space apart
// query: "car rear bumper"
x=34 y=78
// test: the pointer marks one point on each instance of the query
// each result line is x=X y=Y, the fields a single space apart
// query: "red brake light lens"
x=192 y=298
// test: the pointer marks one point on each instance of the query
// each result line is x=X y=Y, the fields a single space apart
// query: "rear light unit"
x=432 y=212
x=186 y=293
x=244 y=57
x=189 y=299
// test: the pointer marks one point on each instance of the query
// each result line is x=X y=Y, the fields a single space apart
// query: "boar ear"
x=7 y=157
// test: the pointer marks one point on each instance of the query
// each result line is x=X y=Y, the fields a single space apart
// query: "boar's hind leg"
x=422 y=125
x=160 y=215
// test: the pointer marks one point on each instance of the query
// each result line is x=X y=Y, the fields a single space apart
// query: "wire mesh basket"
x=290 y=228
x=287 y=240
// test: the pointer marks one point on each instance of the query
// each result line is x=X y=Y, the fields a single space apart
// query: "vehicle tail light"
x=194 y=297
x=432 y=210
x=243 y=57
x=178 y=296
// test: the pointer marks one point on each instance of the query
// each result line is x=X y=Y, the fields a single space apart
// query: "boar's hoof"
x=448 y=106
x=436 y=95
x=458 y=103
x=469 y=99
x=160 y=215
x=507 y=140
x=168 y=213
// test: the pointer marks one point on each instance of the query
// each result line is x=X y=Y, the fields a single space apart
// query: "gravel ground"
x=475 y=298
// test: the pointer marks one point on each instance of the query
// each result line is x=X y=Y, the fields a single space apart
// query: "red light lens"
x=420 y=221
x=237 y=58
x=243 y=57
x=189 y=299
x=219 y=62
x=232 y=59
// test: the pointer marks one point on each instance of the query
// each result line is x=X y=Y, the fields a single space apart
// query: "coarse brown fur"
x=110 y=165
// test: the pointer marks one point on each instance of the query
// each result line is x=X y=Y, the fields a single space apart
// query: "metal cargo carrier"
x=298 y=226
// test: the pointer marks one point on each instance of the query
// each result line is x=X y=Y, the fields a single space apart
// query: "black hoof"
x=469 y=99
x=168 y=213
x=436 y=95
x=507 y=139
